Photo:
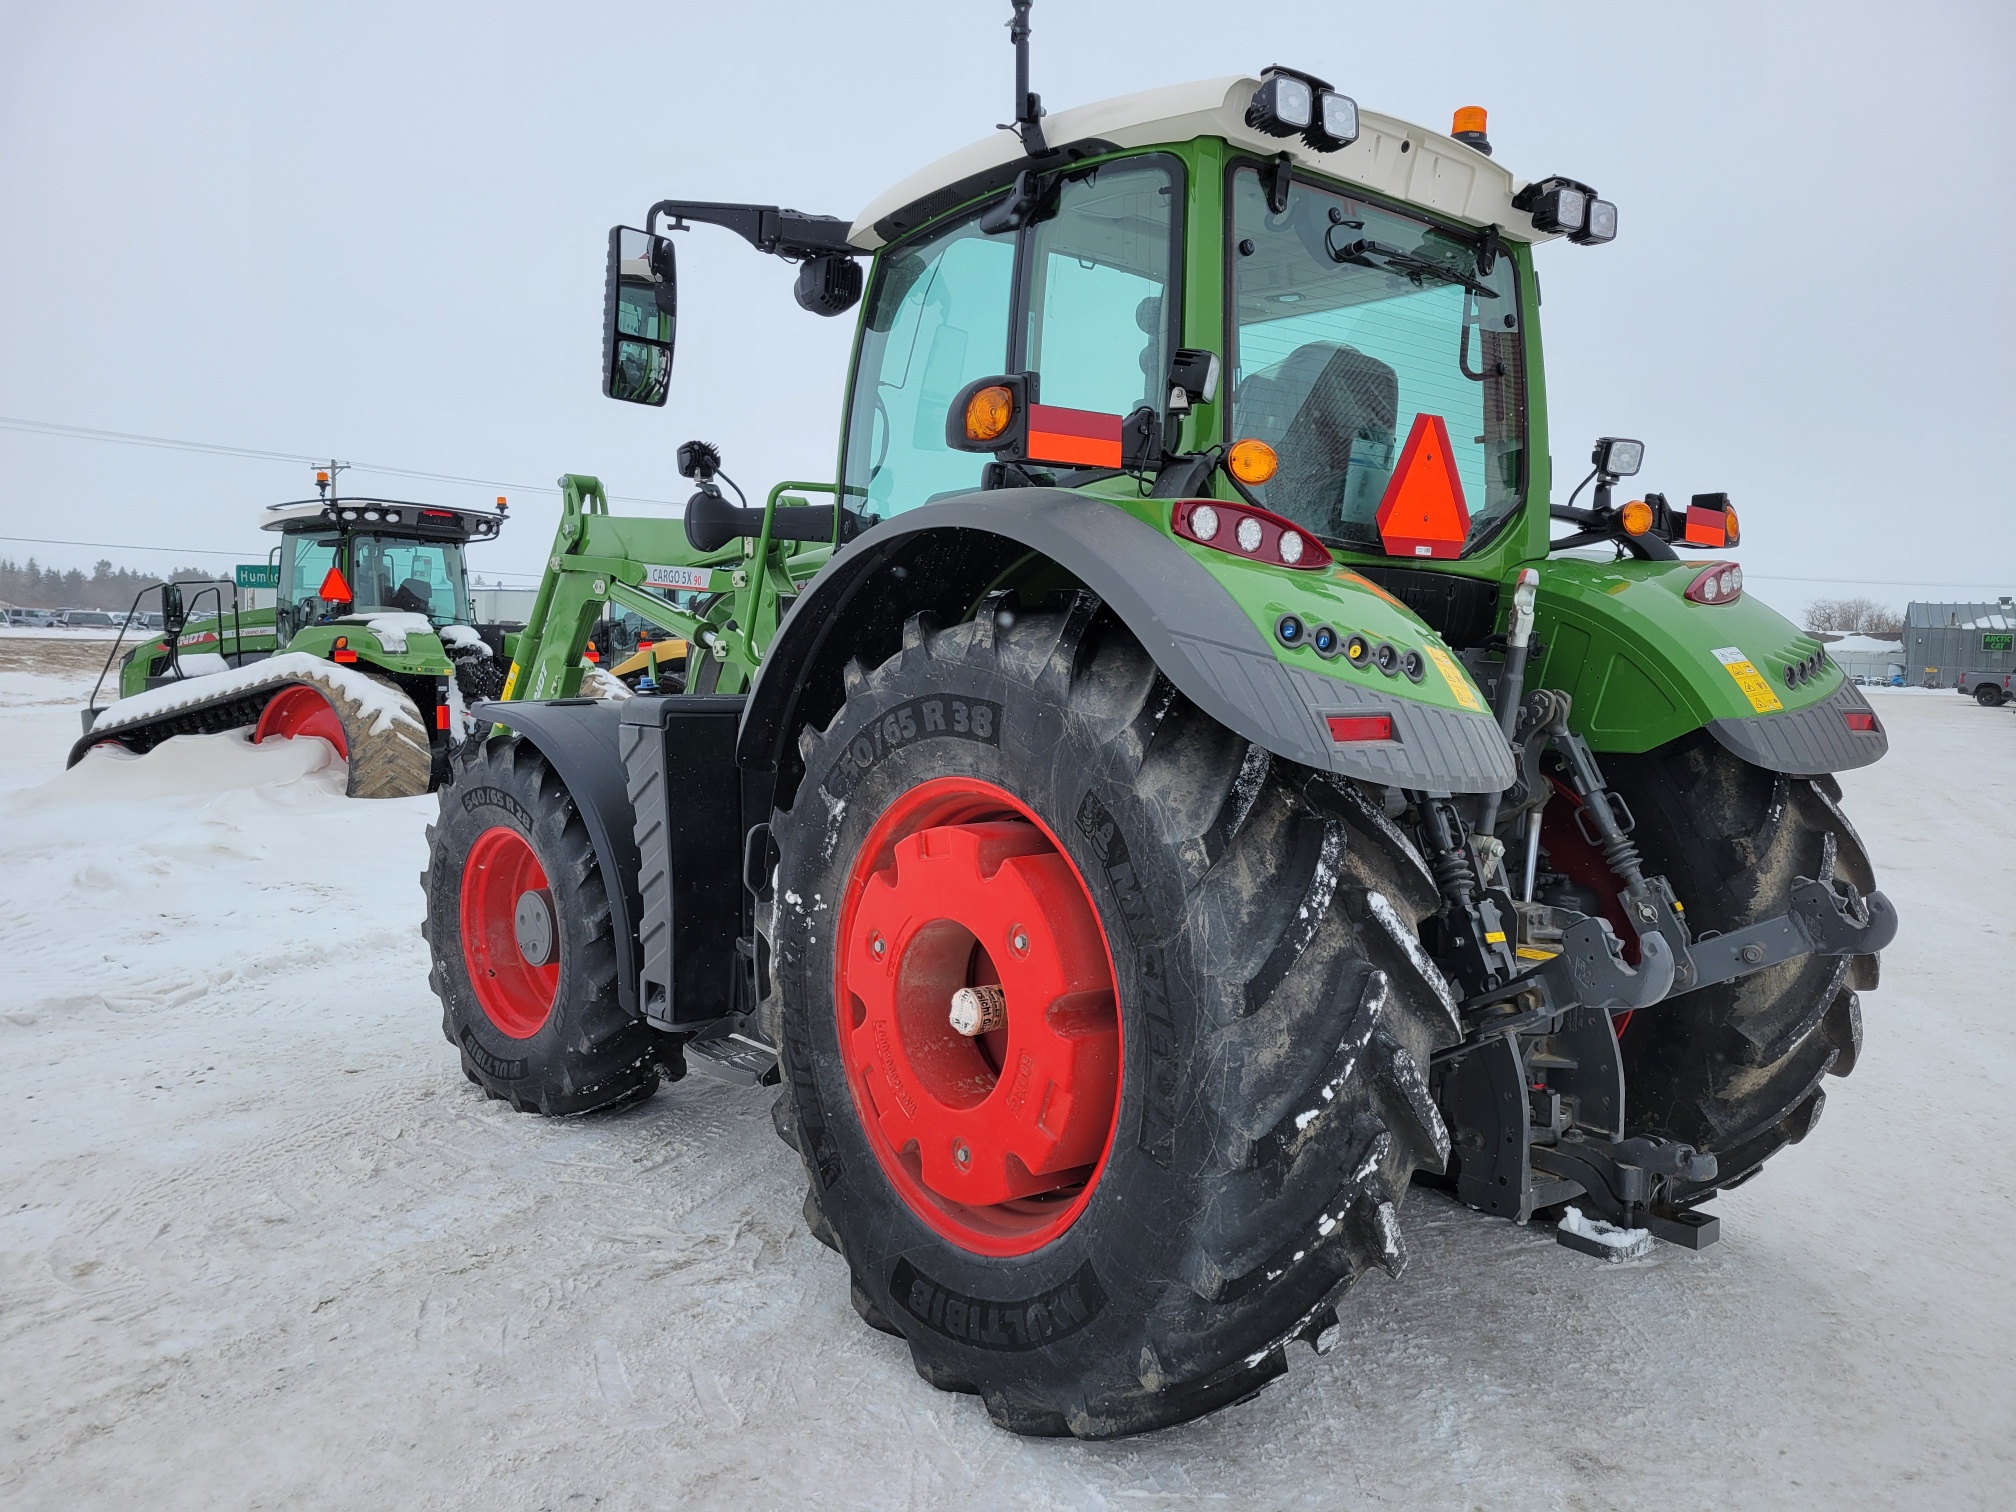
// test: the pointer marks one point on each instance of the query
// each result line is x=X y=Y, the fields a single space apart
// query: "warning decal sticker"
x=1755 y=685
x=1452 y=674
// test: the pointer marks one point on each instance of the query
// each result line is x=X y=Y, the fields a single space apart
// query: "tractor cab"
x=346 y=558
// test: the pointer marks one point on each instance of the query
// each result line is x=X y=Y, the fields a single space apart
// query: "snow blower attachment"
x=1168 y=792
x=371 y=645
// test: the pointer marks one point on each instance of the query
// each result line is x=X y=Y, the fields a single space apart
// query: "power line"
x=253 y=454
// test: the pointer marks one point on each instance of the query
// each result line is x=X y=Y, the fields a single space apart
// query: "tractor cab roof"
x=1391 y=157
x=396 y=516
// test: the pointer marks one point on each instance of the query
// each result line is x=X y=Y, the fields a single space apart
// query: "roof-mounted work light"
x=1561 y=206
x=1291 y=103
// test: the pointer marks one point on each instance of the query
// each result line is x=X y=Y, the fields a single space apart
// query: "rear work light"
x=1721 y=583
x=1244 y=531
x=1347 y=728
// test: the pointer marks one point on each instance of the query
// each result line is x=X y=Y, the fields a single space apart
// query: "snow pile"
x=378 y=701
x=190 y=764
x=392 y=628
x=596 y=683
x=464 y=637
x=1620 y=1243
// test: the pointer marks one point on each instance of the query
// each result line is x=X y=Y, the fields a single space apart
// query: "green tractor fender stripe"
x=940 y=556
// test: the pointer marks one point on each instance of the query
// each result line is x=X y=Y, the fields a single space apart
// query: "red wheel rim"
x=297 y=710
x=996 y=1141
x=504 y=890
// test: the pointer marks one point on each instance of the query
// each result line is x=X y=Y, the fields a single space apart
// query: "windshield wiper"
x=1363 y=252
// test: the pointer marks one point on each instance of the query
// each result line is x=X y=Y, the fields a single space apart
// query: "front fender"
x=941 y=557
x=1646 y=665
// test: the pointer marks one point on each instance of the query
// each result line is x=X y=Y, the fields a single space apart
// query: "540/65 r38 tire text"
x=1192 y=1121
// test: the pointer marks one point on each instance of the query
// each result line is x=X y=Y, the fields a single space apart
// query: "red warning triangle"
x=1422 y=513
x=335 y=589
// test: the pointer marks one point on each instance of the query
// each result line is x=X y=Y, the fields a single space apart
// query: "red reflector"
x=1705 y=527
x=440 y=716
x=1078 y=438
x=345 y=656
x=1347 y=727
x=441 y=514
x=1863 y=720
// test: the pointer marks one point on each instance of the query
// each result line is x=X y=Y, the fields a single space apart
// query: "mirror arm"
x=789 y=234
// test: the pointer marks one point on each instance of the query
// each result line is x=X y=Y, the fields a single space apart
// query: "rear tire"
x=1737 y=1069
x=546 y=1035
x=1988 y=697
x=1275 y=1015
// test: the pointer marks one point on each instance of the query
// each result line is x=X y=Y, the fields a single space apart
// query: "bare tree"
x=1850 y=616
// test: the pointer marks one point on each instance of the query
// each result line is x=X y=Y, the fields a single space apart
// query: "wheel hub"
x=989 y=1122
x=510 y=936
x=533 y=924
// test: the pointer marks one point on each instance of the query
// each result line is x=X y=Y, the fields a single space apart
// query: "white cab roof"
x=1392 y=157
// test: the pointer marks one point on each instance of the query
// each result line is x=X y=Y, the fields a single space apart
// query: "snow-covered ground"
x=263 y=1246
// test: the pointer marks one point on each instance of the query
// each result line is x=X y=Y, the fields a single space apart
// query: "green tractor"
x=371 y=645
x=1173 y=787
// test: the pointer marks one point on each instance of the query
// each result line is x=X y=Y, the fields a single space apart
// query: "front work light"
x=1291 y=103
x=1617 y=457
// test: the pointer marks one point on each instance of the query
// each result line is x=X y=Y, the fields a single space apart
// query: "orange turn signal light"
x=989 y=413
x=1731 y=535
x=593 y=654
x=1636 y=518
x=1252 y=462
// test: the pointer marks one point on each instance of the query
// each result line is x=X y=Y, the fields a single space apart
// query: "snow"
x=465 y=636
x=392 y=628
x=262 y=1245
x=381 y=702
x=1622 y=1243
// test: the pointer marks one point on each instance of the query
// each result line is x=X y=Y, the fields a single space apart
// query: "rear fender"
x=1646 y=665
x=1199 y=625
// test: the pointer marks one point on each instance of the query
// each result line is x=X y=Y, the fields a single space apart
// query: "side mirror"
x=173 y=618
x=640 y=307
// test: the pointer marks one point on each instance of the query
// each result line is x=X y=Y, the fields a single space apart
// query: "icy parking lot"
x=263 y=1246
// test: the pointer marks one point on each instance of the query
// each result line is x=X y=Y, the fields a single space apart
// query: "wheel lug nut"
x=960 y=1153
x=878 y=945
x=1019 y=941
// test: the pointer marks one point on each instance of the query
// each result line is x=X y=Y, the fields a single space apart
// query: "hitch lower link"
x=1534 y=1093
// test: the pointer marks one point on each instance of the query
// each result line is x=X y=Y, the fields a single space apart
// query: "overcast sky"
x=375 y=230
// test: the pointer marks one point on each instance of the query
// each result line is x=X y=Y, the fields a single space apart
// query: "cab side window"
x=1098 y=313
x=938 y=320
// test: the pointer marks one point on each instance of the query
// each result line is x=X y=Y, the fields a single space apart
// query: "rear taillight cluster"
x=1721 y=583
x=1243 y=531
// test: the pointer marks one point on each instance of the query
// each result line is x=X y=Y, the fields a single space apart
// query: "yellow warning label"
x=1528 y=953
x=1755 y=685
x=1459 y=684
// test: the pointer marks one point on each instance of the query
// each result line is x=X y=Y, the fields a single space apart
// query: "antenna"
x=1028 y=104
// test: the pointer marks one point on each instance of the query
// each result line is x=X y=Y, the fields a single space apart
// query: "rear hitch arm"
x=1827 y=918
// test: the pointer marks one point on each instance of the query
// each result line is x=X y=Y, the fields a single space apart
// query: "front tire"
x=1251 y=968
x=523 y=942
